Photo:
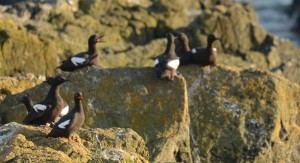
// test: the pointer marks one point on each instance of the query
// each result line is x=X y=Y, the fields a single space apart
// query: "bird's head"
x=211 y=38
x=57 y=80
x=78 y=96
x=93 y=39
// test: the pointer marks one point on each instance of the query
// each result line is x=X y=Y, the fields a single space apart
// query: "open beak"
x=99 y=39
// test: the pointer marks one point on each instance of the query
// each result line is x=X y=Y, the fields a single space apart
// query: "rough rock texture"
x=236 y=115
x=242 y=115
x=54 y=30
x=244 y=41
x=128 y=98
x=20 y=49
x=21 y=143
x=13 y=85
x=46 y=32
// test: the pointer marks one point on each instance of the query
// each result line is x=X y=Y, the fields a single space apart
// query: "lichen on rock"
x=28 y=143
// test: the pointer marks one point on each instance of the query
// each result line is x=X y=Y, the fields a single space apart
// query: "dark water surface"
x=274 y=16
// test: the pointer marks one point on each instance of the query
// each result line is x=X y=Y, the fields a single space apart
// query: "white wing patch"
x=77 y=60
x=65 y=111
x=174 y=64
x=194 y=51
x=156 y=62
x=64 y=124
x=40 y=107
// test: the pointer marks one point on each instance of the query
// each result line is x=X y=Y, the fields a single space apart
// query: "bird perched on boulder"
x=48 y=110
x=205 y=56
x=83 y=59
x=71 y=122
x=166 y=65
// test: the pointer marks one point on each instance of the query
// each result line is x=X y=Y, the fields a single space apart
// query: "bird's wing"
x=64 y=124
x=65 y=110
x=32 y=115
x=40 y=107
x=78 y=61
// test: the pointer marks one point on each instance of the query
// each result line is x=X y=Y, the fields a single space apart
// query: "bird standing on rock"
x=205 y=56
x=48 y=110
x=83 y=59
x=71 y=122
x=167 y=64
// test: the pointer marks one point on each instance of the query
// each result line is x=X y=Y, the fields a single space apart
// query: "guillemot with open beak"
x=83 y=59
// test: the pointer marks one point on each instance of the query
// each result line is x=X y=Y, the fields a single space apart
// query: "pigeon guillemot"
x=183 y=51
x=83 y=59
x=205 y=56
x=167 y=64
x=26 y=100
x=71 y=122
x=48 y=110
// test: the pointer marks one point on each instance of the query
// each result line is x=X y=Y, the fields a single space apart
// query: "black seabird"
x=48 y=110
x=183 y=51
x=71 y=122
x=83 y=59
x=205 y=56
x=167 y=64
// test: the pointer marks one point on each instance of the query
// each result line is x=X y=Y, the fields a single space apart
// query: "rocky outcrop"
x=242 y=115
x=13 y=85
x=244 y=42
x=233 y=115
x=58 y=29
x=128 y=98
x=21 y=143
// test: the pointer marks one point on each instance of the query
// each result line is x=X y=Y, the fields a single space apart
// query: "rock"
x=245 y=40
x=238 y=28
x=242 y=115
x=13 y=85
x=21 y=143
x=19 y=48
x=128 y=98
x=139 y=56
x=237 y=115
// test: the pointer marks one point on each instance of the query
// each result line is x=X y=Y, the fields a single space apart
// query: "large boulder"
x=21 y=143
x=236 y=115
x=242 y=115
x=128 y=98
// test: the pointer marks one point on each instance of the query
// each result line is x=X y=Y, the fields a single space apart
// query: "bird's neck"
x=186 y=46
x=53 y=92
x=78 y=106
x=210 y=45
x=92 y=48
x=28 y=105
x=170 y=50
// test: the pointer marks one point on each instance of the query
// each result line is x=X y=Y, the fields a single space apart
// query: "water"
x=273 y=15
